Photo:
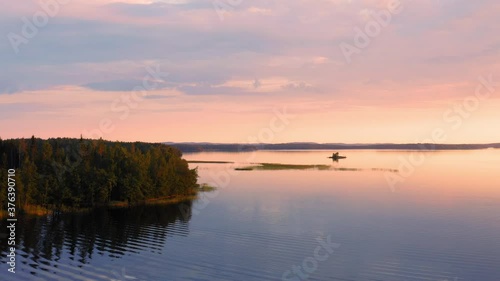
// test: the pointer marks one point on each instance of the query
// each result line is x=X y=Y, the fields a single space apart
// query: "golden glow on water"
x=452 y=187
x=434 y=175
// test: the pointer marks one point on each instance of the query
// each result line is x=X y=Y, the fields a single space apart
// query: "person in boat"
x=336 y=156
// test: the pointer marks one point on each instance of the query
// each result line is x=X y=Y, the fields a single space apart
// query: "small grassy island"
x=73 y=174
x=278 y=166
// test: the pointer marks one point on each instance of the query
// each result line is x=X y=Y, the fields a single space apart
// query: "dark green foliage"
x=83 y=173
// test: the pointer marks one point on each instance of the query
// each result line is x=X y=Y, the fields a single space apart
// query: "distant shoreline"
x=234 y=147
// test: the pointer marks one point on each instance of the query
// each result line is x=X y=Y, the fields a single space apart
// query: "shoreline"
x=36 y=210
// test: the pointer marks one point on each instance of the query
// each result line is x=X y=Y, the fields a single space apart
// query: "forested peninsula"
x=67 y=174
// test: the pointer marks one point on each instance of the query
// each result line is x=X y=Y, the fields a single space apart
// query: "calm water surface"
x=440 y=221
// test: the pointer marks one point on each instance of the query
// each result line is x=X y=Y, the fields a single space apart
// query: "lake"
x=377 y=215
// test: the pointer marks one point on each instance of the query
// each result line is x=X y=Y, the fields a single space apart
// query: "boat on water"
x=336 y=156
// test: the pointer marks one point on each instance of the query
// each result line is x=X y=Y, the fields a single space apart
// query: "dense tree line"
x=84 y=173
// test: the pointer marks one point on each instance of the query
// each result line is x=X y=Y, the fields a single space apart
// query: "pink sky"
x=433 y=65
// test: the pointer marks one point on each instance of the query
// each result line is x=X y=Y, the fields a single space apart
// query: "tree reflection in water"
x=111 y=232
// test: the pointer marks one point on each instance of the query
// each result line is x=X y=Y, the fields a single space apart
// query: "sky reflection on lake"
x=441 y=223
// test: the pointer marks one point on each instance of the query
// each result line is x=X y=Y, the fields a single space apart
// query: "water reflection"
x=440 y=223
x=104 y=232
